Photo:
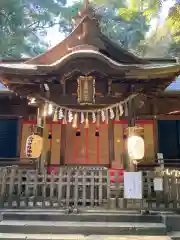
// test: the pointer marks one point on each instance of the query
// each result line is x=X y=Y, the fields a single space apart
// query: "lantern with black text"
x=34 y=145
x=86 y=90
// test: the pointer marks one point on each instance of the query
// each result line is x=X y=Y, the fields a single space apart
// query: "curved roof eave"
x=121 y=53
x=55 y=49
x=118 y=53
x=131 y=68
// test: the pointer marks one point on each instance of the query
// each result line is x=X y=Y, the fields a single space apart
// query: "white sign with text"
x=133 y=185
x=158 y=184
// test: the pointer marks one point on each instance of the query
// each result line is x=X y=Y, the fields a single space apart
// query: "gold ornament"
x=86 y=90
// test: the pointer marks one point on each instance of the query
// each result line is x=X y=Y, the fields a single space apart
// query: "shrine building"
x=82 y=97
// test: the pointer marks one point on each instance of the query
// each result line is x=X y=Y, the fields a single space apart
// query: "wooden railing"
x=25 y=163
x=81 y=187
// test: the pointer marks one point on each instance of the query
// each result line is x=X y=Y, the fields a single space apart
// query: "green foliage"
x=124 y=25
x=173 y=22
x=22 y=22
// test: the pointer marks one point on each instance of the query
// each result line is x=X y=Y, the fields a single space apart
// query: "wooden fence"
x=91 y=187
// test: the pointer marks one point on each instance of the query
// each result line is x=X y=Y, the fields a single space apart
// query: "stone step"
x=174 y=235
x=82 y=217
x=85 y=228
x=20 y=236
x=82 y=210
x=172 y=222
x=8 y=236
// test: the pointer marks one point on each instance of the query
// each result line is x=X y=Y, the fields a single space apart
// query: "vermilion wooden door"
x=87 y=148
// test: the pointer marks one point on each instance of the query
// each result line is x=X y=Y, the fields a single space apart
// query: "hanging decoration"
x=121 y=110
x=50 y=135
x=74 y=124
x=78 y=132
x=106 y=116
x=117 y=114
x=111 y=113
x=103 y=116
x=39 y=118
x=46 y=110
x=114 y=111
x=34 y=145
x=126 y=109
x=61 y=115
x=70 y=116
x=82 y=117
x=97 y=132
x=93 y=117
x=50 y=109
x=64 y=117
x=32 y=101
x=55 y=115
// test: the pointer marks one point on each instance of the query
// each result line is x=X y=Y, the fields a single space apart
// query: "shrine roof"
x=86 y=51
x=86 y=42
x=128 y=69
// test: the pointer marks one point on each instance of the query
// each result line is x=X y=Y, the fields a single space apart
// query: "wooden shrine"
x=94 y=90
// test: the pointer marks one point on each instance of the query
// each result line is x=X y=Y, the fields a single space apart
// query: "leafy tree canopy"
x=22 y=22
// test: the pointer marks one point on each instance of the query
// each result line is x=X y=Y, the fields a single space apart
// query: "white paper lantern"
x=34 y=145
x=135 y=147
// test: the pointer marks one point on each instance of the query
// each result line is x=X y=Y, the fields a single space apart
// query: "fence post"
x=92 y=189
x=100 y=187
x=108 y=187
x=27 y=185
x=174 y=191
x=84 y=176
x=116 y=178
x=60 y=187
x=45 y=178
x=149 y=195
x=76 y=182
x=11 y=186
x=3 y=187
x=166 y=190
x=68 y=185
x=52 y=184
x=35 y=187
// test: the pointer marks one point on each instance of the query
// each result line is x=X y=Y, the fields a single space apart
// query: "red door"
x=87 y=148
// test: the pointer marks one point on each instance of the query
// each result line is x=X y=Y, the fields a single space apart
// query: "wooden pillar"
x=19 y=137
x=45 y=132
x=63 y=144
x=156 y=137
x=111 y=141
x=131 y=123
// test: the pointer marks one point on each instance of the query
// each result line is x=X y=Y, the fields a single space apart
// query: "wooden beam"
x=111 y=141
x=156 y=135
x=63 y=144
x=72 y=100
